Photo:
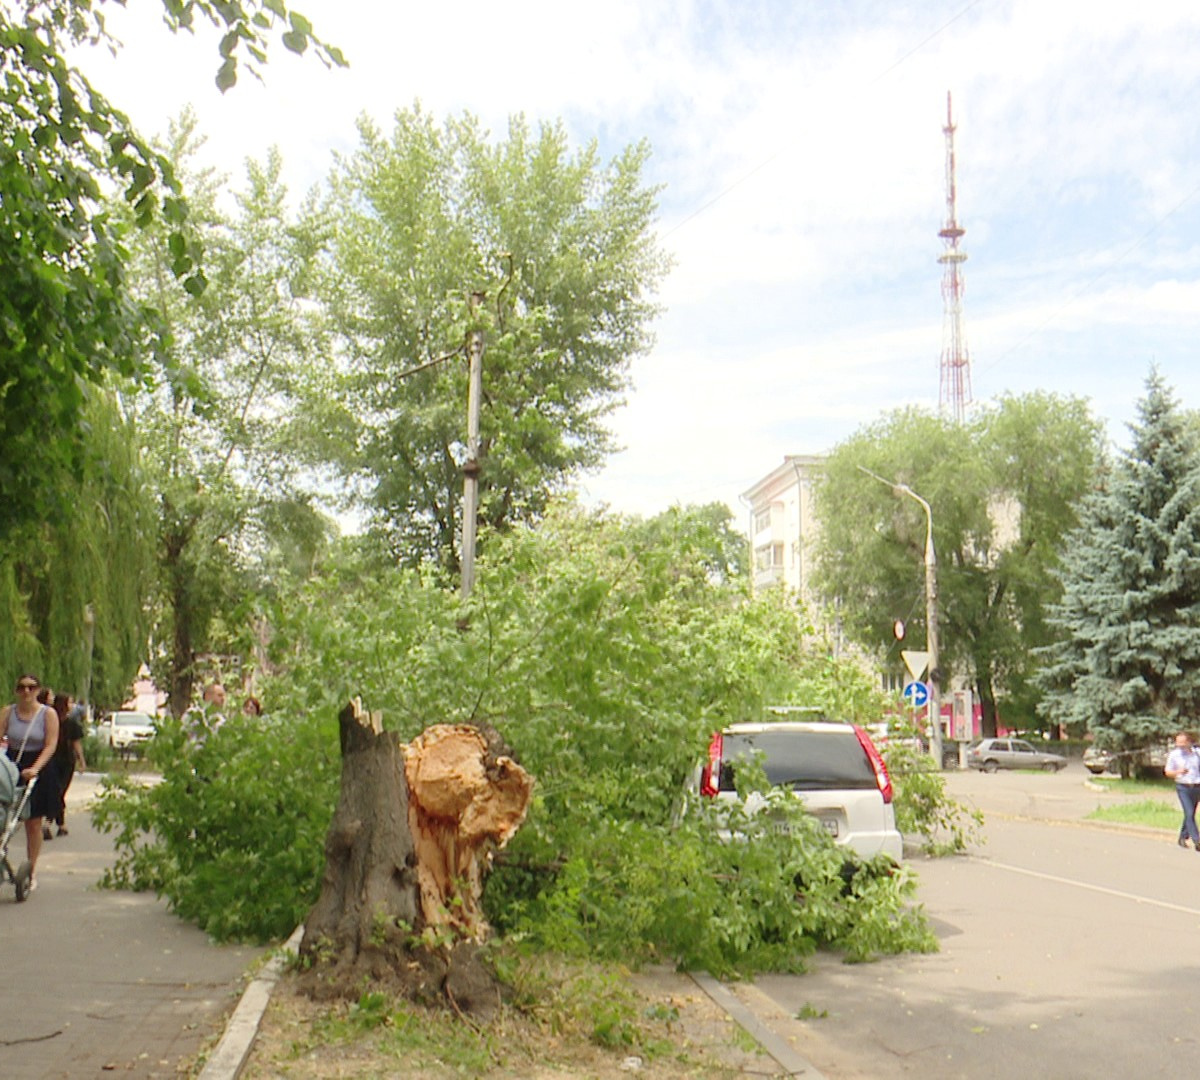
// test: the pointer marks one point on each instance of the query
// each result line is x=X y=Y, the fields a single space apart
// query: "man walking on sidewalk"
x=1183 y=766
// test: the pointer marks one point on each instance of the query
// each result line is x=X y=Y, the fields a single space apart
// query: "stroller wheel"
x=21 y=880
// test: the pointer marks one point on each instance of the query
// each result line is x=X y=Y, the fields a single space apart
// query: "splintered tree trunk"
x=405 y=860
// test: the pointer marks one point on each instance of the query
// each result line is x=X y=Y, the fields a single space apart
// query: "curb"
x=232 y=1052
x=229 y=1058
x=773 y=1044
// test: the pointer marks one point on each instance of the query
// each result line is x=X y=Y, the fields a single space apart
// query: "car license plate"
x=830 y=825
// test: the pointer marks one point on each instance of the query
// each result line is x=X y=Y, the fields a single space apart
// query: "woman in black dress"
x=67 y=756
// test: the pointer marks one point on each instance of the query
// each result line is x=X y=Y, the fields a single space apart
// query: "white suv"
x=833 y=767
x=127 y=731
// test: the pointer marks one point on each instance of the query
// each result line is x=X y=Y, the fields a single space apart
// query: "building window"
x=768 y=557
x=893 y=683
x=762 y=520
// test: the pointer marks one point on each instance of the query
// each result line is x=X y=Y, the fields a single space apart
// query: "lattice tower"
x=955 y=390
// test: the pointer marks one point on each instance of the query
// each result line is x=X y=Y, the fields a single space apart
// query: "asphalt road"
x=100 y=983
x=1067 y=951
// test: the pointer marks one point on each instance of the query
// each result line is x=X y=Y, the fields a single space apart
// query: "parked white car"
x=833 y=767
x=126 y=731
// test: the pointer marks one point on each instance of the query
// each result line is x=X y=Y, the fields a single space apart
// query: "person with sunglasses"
x=31 y=730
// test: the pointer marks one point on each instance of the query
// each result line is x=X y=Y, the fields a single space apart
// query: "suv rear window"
x=801 y=760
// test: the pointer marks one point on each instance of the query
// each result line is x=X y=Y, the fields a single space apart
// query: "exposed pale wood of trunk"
x=464 y=802
x=406 y=857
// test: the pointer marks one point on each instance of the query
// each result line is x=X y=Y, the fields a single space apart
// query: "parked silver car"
x=834 y=768
x=992 y=754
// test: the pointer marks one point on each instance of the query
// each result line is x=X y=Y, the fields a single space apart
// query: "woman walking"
x=32 y=733
x=67 y=755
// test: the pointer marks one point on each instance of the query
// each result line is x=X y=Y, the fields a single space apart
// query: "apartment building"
x=783 y=526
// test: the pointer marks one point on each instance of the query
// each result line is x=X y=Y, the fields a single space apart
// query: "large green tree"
x=559 y=246
x=69 y=321
x=1127 y=667
x=1002 y=489
x=217 y=424
x=605 y=652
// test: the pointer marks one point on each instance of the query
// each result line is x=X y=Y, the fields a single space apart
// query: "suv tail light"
x=710 y=775
x=881 y=774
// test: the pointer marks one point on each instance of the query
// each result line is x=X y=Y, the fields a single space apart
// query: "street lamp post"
x=931 y=617
x=471 y=465
x=931 y=628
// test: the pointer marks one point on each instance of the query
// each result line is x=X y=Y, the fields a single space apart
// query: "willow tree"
x=74 y=586
x=69 y=320
x=558 y=247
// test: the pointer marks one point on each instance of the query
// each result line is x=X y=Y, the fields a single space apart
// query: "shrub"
x=605 y=653
x=233 y=835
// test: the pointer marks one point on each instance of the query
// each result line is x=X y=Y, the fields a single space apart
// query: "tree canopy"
x=558 y=247
x=73 y=585
x=1002 y=489
x=605 y=652
x=1127 y=667
x=217 y=423
x=68 y=319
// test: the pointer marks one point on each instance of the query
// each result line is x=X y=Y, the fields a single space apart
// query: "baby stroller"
x=14 y=806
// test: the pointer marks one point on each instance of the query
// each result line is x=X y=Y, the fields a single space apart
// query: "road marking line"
x=1166 y=904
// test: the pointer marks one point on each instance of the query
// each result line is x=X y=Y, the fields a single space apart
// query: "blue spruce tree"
x=1127 y=666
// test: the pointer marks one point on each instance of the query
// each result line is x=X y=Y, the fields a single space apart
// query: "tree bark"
x=987 y=702
x=370 y=880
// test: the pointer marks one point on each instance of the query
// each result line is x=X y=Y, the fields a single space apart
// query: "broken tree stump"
x=464 y=802
x=406 y=856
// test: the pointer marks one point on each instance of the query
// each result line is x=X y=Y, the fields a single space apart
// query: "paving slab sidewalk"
x=100 y=982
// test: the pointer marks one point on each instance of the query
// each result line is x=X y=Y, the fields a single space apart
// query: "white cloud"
x=802 y=151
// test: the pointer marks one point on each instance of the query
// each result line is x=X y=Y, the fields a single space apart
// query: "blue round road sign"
x=916 y=694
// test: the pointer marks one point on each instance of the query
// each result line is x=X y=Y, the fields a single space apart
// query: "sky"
x=800 y=149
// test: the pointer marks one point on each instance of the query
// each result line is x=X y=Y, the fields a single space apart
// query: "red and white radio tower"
x=955 y=391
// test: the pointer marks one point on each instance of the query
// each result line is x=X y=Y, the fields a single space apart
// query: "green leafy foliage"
x=924 y=810
x=1003 y=489
x=560 y=248
x=69 y=321
x=1127 y=665
x=233 y=835
x=72 y=585
x=218 y=425
x=605 y=653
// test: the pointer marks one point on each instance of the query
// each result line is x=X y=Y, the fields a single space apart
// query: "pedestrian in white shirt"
x=1183 y=766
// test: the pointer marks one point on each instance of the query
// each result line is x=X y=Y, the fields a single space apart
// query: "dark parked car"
x=1148 y=761
x=992 y=754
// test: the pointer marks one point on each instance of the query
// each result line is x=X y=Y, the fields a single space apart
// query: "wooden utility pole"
x=471 y=465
